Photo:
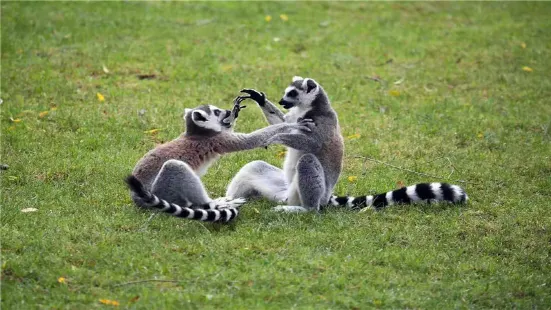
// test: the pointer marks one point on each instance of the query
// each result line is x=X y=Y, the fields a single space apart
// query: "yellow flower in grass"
x=284 y=17
x=43 y=113
x=101 y=98
x=109 y=302
x=394 y=93
x=352 y=179
x=527 y=69
x=61 y=280
x=152 y=131
x=268 y=18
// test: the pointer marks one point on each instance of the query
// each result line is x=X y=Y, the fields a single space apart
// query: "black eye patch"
x=199 y=117
x=293 y=93
x=217 y=112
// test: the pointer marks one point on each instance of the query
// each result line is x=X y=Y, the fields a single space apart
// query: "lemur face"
x=209 y=118
x=301 y=93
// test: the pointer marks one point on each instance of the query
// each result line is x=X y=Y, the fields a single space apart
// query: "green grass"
x=454 y=98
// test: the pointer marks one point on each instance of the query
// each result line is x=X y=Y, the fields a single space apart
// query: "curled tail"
x=220 y=210
x=419 y=193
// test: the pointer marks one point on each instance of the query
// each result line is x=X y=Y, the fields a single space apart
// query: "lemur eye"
x=217 y=112
x=292 y=93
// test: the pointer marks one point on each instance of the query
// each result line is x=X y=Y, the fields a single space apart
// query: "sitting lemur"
x=167 y=178
x=313 y=161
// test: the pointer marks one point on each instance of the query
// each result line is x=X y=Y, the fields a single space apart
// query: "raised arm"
x=259 y=138
x=297 y=141
x=271 y=112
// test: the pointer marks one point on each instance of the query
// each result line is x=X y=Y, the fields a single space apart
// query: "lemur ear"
x=310 y=85
x=186 y=112
x=297 y=78
x=199 y=116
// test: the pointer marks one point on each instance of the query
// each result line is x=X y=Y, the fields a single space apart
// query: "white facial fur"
x=186 y=112
x=215 y=110
x=309 y=97
x=212 y=121
x=303 y=100
x=222 y=119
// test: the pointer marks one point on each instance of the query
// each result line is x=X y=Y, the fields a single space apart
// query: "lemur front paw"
x=275 y=139
x=306 y=124
x=255 y=95
x=237 y=105
x=270 y=141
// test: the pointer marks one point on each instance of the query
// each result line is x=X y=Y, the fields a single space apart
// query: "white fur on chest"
x=290 y=164
x=294 y=114
x=293 y=155
x=204 y=167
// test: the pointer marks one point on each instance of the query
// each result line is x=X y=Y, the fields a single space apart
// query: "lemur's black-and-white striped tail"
x=219 y=210
x=419 y=193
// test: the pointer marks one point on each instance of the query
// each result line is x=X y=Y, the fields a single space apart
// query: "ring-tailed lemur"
x=168 y=177
x=314 y=161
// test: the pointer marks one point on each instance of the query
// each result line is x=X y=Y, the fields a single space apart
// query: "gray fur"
x=177 y=183
x=172 y=171
x=256 y=173
x=311 y=182
x=314 y=160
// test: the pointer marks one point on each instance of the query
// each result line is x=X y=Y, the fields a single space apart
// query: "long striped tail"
x=219 y=210
x=419 y=193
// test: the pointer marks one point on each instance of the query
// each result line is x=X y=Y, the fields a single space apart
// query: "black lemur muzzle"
x=228 y=120
x=286 y=104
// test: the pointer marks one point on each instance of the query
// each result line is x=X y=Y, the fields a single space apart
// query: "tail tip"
x=132 y=181
x=135 y=185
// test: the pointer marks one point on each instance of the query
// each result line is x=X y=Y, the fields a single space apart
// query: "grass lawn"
x=460 y=91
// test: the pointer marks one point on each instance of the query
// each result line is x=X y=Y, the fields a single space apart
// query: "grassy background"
x=435 y=87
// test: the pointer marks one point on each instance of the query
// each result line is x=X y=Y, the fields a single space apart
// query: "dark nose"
x=282 y=102
x=228 y=113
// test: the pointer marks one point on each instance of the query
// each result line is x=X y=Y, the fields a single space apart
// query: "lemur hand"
x=237 y=105
x=275 y=139
x=255 y=95
x=305 y=124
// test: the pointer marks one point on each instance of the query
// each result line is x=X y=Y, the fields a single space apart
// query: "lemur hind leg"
x=259 y=179
x=310 y=183
x=177 y=183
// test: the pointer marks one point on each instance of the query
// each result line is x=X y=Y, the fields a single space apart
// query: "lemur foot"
x=290 y=209
x=227 y=202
